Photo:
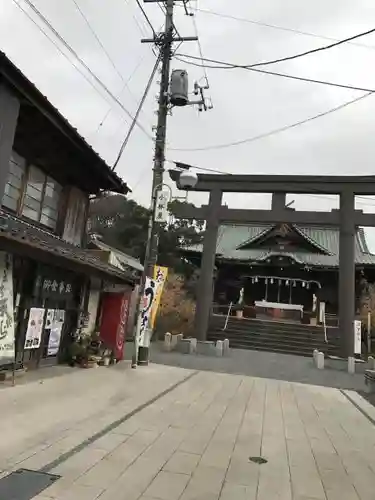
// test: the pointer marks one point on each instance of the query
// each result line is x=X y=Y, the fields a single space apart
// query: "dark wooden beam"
x=298 y=184
x=228 y=215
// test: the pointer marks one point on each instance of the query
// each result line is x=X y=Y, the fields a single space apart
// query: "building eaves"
x=18 y=231
x=14 y=77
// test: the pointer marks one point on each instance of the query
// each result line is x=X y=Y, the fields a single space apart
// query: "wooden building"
x=47 y=174
x=282 y=264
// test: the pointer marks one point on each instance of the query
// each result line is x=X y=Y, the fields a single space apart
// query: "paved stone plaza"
x=167 y=433
x=261 y=364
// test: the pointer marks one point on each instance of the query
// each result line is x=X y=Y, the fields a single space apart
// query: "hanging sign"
x=357 y=336
x=34 y=328
x=6 y=309
x=161 y=209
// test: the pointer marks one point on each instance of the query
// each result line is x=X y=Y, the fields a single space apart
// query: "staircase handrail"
x=228 y=314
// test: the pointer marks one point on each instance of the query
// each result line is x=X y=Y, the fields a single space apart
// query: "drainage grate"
x=258 y=460
x=25 y=484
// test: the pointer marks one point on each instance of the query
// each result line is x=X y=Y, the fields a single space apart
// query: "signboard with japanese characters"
x=357 y=336
x=161 y=209
x=6 y=309
x=53 y=286
x=56 y=287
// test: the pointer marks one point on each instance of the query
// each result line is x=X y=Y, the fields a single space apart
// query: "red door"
x=115 y=311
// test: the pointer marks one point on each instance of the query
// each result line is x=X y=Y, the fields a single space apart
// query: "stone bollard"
x=226 y=347
x=315 y=356
x=219 y=348
x=320 y=361
x=193 y=346
x=184 y=346
x=371 y=363
x=168 y=342
x=351 y=365
x=179 y=337
x=173 y=342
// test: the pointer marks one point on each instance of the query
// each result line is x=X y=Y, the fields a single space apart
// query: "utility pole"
x=164 y=42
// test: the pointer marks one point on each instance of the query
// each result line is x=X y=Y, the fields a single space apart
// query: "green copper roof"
x=232 y=237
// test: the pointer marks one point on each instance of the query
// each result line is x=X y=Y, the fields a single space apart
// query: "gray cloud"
x=245 y=103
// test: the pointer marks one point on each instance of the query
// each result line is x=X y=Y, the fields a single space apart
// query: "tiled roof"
x=13 y=228
x=124 y=258
x=231 y=237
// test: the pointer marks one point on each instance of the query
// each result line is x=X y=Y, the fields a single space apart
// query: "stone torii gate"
x=346 y=219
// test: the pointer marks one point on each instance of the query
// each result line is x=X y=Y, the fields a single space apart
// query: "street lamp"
x=187 y=179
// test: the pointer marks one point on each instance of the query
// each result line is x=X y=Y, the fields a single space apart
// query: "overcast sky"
x=246 y=104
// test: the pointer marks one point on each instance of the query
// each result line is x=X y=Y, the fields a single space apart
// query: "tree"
x=123 y=223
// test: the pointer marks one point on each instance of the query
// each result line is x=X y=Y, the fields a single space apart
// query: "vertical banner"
x=357 y=336
x=160 y=277
x=6 y=309
x=143 y=323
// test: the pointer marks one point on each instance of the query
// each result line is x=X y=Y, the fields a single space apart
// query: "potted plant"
x=238 y=310
x=106 y=357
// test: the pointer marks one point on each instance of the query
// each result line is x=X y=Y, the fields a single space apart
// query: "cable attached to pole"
x=145 y=93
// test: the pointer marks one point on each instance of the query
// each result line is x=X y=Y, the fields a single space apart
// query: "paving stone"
x=167 y=486
x=81 y=492
x=109 y=442
x=196 y=441
x=238 y=492
x=206 y=482
x=183 y=463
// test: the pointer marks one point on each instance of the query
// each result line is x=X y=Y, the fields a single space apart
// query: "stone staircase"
x=274 y=336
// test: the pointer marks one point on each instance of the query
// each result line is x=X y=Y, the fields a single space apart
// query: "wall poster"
x=34 y=330
x=54 y=324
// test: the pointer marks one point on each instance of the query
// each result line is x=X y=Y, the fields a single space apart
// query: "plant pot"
x=239 y=313
x=89 y=364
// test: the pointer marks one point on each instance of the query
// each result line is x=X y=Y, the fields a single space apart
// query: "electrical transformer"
x=179 y=88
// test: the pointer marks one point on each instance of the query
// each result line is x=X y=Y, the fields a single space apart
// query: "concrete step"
x=254 y=337
x=245 y=325
x=274 y=336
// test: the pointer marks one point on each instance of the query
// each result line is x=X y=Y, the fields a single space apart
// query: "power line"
x=97 y=38
x=275 y=131
x=227 y=65
x=146 y=17
x=312 y=51
x=61 y=51
x=198 y=41
x=146 y=91
x=122 y=90
x=74 y=53
x=276 y=27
